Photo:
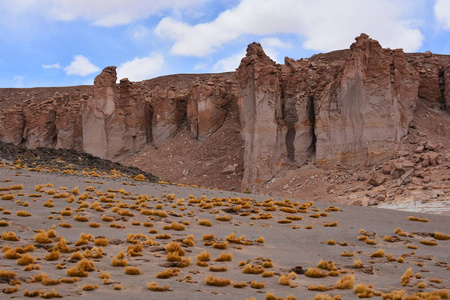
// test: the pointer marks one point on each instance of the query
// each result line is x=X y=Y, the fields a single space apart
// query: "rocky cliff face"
x=342 y=109
x=112 y=120
x=42 y=117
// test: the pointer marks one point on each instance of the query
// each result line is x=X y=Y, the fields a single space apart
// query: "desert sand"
x=296 y=234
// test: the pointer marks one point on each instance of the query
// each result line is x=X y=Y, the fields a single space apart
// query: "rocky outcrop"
x=201 y=102
x=208 y=104
x=345 y=109
x=114 y=119
x=434 y=77
x=46 y=118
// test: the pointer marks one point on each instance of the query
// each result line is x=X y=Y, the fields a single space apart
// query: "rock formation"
x=343 y=109
x=114 y=119
x=43 y=117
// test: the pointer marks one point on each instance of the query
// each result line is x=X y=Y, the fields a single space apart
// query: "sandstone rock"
x=431 y=158
x=430 y=146
x=357 y=203
x=387 y=168
x=377 y=179
x=373 y=202
x=12 y=124
x=207 y=106
x=419 y=149
x=97 y=111
x=230 y=169
x=351 y=112
x=381 y=198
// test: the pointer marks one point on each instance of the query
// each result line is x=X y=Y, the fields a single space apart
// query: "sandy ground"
x=287 y=245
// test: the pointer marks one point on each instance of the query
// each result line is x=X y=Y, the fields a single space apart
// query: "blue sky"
x=68 y=42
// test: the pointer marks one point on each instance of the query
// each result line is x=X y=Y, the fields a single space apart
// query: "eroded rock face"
x=208 y=104
x=261 y=116
x=45 y=118
x=361 y=118
x=434 y=77
x=115 y=119
x=346 y=109
x=97 y=111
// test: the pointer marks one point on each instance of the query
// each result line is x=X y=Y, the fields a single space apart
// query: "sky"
x=69 y=42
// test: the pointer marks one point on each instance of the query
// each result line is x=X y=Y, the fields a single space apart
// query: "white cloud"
x=141 y=68
x=140 y=32
x=229 y=63
x=442 y=12
x=275 y=43
x=105 y=13
x=53 y=66
x=271 y=46
x=17 y=81
x=325 y=24
x=81 y=66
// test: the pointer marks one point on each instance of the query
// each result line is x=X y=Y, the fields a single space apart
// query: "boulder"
x=230 y=169
x=377 y=179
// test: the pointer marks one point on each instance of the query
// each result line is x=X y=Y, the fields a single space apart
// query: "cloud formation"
x=81 y=66
x=18 y=81
x=141 y=68
x=324 y=24
x=105 y=13
x=442 y=12
x=52 y=66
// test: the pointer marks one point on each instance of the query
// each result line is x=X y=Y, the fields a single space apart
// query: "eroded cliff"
x=343 y=109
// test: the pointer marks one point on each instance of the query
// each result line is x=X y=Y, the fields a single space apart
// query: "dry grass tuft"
x=428 y=242
x=411 y=218
x=260 y=240
x=51 y=294
x=378 y=253
x=8 y=274
x=223 y=218
x=315 y=273
x=119 y=260
x=101 y=241
x=168 y=273
x=10 y=236
x=35 y=293
x=441 y=236
x=89 y=287
x=81 y=218
x=225 y=257
x=239 y=285
x=363 y=291
x=204 y=256
x=320 y=288
x=25 y=260
x=42 y=238
x=22 y=213
x=205 y=223
x=257 y=285
x=132 y=271
x=252 y=269
x=218 y=269
x=345 y=282
x=216 y=281
x=406 y=277
x=153 y=286
x=223 y=245
x=11 y=290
